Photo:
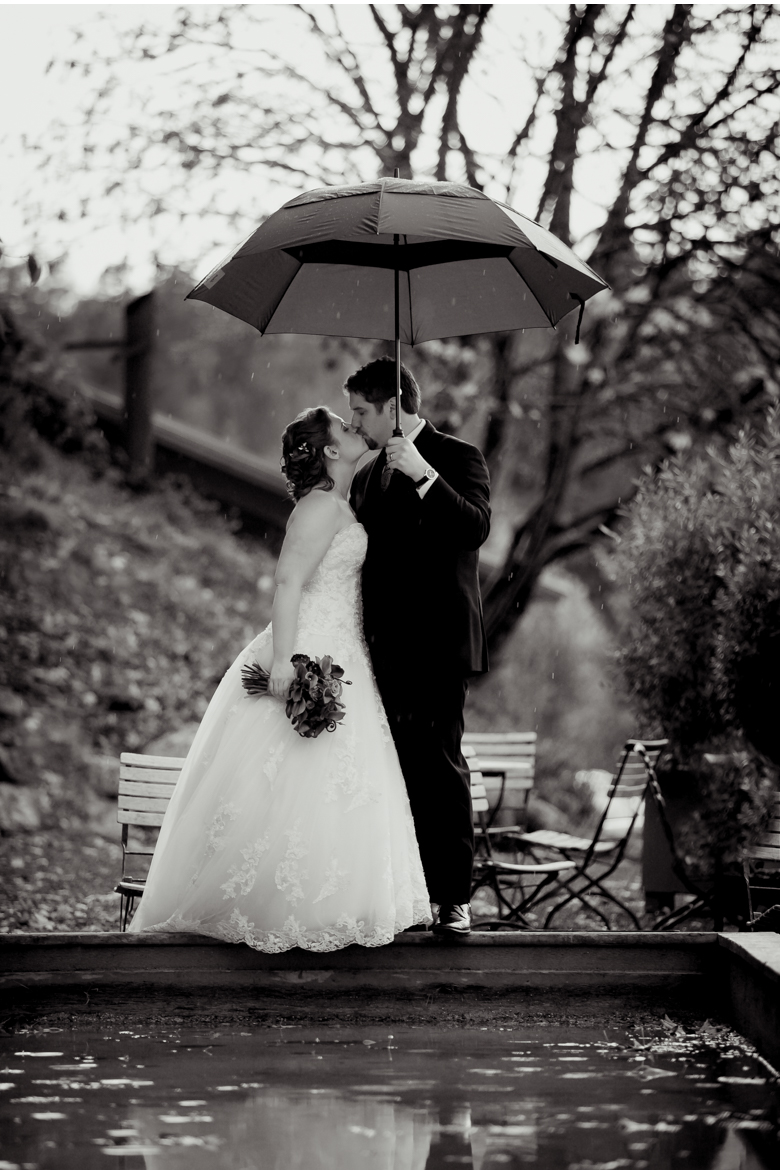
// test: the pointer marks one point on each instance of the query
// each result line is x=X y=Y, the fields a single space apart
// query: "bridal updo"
x=303 y=454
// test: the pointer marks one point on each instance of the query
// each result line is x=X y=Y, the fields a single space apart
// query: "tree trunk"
x=508 y=594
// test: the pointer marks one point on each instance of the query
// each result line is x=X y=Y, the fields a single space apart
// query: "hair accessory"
x=304 y=447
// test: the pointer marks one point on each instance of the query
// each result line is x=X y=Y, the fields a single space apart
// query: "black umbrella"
x=401 y=260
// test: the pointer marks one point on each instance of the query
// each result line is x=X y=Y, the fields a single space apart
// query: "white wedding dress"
x=279 y=841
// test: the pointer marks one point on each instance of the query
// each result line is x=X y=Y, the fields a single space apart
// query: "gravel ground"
x=62 y=879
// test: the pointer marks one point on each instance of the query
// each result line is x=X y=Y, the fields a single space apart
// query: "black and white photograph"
x=390 y=586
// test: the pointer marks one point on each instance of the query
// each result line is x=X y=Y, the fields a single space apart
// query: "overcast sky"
x=30 y=101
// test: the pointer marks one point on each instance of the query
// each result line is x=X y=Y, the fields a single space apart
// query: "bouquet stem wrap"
x=313 y=699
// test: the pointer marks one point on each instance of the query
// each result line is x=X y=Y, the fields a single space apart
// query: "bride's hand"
x=280 y=677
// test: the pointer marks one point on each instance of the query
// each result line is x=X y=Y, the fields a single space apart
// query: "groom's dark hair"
x=376 y=383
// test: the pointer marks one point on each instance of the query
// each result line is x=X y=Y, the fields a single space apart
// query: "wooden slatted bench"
x=479 y=798
x=761 y=860
x=146 y=785
x=508 y=764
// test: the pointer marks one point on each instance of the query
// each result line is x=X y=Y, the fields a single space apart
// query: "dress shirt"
x=424 y=487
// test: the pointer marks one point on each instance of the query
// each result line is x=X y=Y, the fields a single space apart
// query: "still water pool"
x=297 y=1098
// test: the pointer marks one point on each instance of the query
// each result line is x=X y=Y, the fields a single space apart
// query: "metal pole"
x=397 y=431
x=138 y=389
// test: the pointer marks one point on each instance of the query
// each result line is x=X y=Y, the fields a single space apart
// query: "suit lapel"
x=425 y=437
x=367 y=486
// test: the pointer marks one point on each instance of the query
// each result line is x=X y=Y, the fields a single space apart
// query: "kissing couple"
x=281 y=841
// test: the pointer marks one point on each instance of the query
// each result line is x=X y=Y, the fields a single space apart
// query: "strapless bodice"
x=331 y=602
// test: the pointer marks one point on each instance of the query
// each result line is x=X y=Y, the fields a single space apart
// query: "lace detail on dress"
x=348 y=930
x=289 y=874
x=215 y=834
x=244 y=876
x=336 y=879
x=271 y=765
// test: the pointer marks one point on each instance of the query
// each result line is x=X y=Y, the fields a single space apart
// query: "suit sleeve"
x=460 y=498
x=358 y=490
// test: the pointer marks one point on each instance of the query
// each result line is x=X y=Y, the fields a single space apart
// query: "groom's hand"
x=403 y=456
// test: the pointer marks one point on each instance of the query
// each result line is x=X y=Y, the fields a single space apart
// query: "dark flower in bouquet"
x=314 y=696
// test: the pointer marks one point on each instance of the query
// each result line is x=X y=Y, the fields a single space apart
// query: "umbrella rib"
x=531 y=291
x=279 y=299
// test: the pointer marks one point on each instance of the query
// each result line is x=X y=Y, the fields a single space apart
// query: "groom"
x=425 y=504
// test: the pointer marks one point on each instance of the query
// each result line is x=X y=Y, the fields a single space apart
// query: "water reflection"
x=355 y=1099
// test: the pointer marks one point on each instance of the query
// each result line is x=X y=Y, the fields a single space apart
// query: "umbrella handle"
x=397 y=432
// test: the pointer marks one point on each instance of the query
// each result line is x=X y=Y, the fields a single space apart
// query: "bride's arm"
x=315 y=521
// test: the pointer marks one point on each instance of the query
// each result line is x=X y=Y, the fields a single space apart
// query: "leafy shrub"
x=701 y=559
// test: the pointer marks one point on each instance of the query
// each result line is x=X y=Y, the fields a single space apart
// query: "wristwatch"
x=429 y=476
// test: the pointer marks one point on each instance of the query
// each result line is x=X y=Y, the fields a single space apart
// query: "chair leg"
x=574 y=895
x=746 y=876
x=128 y=901
x=593 y=884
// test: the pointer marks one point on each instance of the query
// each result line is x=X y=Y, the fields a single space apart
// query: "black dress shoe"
x=453 y=921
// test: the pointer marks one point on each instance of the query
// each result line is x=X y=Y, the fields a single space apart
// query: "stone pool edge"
x=740 y=973
x=750 y=965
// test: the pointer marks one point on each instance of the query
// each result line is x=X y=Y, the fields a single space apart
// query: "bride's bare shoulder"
x=317 y=509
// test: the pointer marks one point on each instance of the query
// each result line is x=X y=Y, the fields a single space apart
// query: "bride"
x=272 y=839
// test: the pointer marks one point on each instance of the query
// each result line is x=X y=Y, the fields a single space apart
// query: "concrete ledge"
x=414 y=961
x=750 y=966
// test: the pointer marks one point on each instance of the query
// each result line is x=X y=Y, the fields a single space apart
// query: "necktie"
x=387 y=475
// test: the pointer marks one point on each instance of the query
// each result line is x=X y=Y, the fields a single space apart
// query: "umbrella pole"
x=397 y=430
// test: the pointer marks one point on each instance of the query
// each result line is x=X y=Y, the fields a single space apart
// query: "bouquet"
x=313 y=704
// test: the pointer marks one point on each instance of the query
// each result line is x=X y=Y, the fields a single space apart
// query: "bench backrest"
x=767 y=846
x=508 y=765
x=146 y=785
x=514 y=745
x=479 y=800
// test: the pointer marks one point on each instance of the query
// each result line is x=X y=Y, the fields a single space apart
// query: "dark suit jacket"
x=421 y=569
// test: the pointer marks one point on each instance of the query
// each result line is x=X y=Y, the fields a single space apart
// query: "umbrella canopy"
x=326 y=263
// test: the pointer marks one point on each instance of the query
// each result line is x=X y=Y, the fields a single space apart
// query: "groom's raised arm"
x=459 y=498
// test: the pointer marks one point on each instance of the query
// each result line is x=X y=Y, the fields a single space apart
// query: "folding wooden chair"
x=146 y=785
x=503 y=879
x=762 y=862
x=508 y=762
x=594 y=860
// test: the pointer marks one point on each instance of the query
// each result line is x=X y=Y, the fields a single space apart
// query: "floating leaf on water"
x=626 y=1125
x=742 y=1080
x=184 y=1118
x=648 y=1072
x=129 y=1151
x=39 y=1054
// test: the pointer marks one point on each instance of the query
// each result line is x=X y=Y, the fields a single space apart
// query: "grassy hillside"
x=118 y=615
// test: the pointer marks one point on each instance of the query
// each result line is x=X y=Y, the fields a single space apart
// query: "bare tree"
x=678 y=108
